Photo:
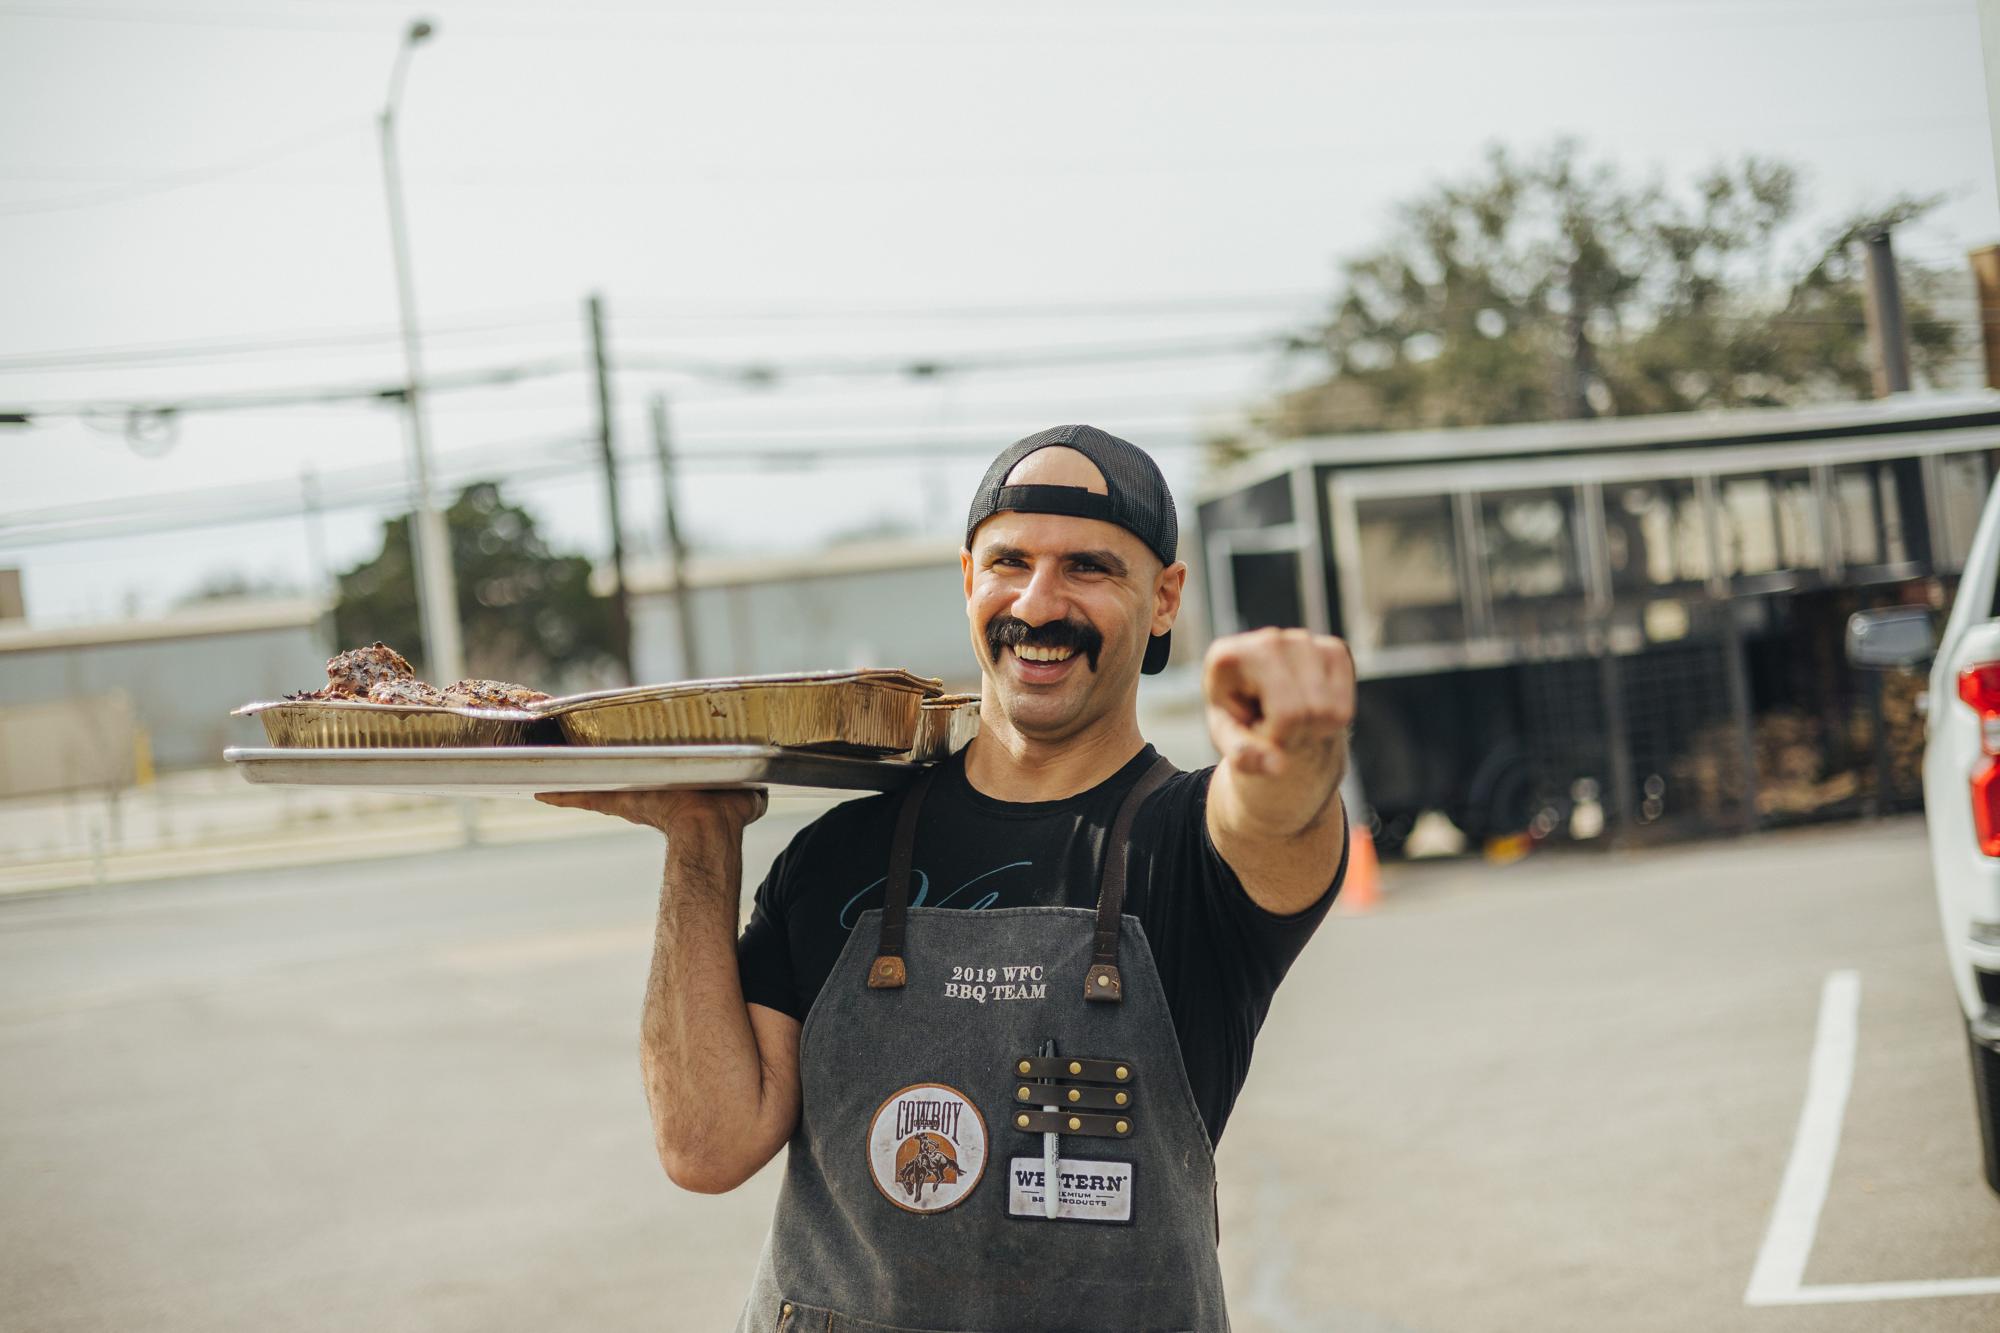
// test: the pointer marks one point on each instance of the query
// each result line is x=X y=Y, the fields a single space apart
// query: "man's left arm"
x=1279 y=705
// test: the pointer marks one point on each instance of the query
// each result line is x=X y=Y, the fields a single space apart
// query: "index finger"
x=578 y=800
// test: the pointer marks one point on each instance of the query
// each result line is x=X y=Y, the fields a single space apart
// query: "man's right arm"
x=722 y=1076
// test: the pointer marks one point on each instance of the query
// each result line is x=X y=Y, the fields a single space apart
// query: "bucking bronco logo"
x=927 y=1147
x=925 y=1159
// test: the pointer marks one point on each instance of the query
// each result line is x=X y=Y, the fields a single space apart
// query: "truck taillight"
x=1986 y=807
x=1979 y=686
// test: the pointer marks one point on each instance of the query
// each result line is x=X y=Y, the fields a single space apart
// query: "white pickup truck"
x=1961 y=791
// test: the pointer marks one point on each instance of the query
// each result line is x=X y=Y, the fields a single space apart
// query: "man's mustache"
x=1076 y=635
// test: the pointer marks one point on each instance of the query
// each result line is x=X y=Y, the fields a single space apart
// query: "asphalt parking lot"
x=1563 y=1094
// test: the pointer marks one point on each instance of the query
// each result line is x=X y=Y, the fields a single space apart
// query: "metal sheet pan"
x=525 y=770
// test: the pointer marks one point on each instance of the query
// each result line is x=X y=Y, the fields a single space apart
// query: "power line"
x=1166 y=29
x=383 y=486
x=755 y=374
x=924 y=367
x=763 y=374
x=163 y=407
x=625 y=326
x=177 y=180
x=190 y=18
x=375 y=337
x=1247 y=303
x=196 y=349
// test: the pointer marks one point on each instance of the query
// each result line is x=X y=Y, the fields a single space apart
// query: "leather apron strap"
x=1102 y=982
x=888 y=972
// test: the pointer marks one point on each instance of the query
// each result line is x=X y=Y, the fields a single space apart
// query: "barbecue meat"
x=354 y=673
x=402 y=690
x=491 y=694
x=379 y=674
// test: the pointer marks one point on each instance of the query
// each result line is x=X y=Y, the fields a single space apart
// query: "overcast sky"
x=191 y=193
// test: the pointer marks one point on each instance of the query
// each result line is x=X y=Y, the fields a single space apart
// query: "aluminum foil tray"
x=865 y=712
x=526 y=769
x=947 y=724
x=353 y=724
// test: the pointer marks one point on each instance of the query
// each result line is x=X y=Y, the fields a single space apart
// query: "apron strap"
x=888 y=972
x=1102 y=982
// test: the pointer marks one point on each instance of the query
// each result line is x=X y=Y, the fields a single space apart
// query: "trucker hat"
x=1138 y=499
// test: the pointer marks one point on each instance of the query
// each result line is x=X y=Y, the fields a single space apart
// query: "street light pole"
x=430 y=540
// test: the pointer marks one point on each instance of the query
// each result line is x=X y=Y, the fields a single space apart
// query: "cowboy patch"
x=927 y=1148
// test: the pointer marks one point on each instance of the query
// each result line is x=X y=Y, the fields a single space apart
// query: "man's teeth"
x=1028 y=652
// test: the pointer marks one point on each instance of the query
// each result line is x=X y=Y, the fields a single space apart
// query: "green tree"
x=1550 y=287
x=527 y=613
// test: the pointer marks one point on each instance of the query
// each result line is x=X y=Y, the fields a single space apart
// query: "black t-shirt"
x=1220 y=956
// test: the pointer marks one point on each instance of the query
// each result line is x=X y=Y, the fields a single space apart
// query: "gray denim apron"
x=939 y=1089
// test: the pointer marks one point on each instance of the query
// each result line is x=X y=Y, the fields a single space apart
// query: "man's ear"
x=1167 y=596
x=965 y=568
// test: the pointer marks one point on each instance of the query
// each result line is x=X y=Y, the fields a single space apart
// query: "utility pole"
x=621 y=610
x=430 y=540
x=1889 y=346
x=1888 y=335
x=677 y=586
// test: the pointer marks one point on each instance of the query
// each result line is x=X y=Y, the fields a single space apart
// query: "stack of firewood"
x=1790 y=756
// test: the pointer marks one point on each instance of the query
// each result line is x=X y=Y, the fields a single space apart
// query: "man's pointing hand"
x=1279 y=705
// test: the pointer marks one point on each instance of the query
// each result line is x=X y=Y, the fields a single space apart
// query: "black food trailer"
x=1629 y=625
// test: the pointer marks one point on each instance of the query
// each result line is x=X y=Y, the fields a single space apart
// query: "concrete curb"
x=373 y=840
x=376 y=838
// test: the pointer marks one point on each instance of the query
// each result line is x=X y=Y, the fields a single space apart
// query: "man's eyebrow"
x=1107 y=559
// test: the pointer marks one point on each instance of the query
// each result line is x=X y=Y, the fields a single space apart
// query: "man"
x=1001 y=1018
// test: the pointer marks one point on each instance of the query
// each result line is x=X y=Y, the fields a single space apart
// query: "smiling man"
x=1001 y=1018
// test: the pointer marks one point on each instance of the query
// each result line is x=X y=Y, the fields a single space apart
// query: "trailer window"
x=1962 y=482
x=1529 y=540
x=1653 y=535
x=1409 y=570
x=1868 y=506
x=1265 y=585
x=1767 y=522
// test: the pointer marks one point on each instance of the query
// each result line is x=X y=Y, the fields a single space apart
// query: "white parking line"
x=1779 y=1277
x=1781 y=1264
x=1848 y=1293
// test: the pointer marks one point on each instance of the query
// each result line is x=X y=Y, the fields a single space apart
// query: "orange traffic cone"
x=1362 y=889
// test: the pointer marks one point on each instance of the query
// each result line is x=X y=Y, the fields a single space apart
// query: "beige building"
x=176 y=678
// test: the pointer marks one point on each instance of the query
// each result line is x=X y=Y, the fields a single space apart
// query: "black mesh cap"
x=1138 y=502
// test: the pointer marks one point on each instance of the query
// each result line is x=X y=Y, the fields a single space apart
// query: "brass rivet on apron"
x=1075 y=1096
x=1023 y=1066
x=1103 y=980
x=1022 y=1092
x=1124 y=1097
x=1021 y=1120
x=1122 y=1072
x=787 y=1311
x=1075 y=1068
x=1124 y=1125
x=1074 y=1123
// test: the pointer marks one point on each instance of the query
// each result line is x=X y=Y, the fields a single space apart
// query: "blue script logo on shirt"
x=851 y=910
